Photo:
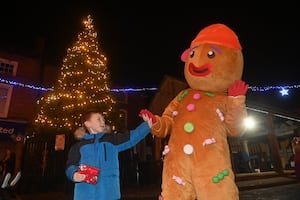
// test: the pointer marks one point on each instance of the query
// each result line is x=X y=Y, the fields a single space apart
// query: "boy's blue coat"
x=101 y=150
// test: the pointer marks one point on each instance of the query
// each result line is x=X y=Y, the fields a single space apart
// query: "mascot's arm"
x=236 y=108
x=164 y=124
x=235 y=115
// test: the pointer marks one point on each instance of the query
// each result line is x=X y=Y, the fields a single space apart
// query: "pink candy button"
x=196 y=96
x=190 y=107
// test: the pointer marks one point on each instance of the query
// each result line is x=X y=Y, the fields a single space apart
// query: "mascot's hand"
x=149 y=114
x=238 y=88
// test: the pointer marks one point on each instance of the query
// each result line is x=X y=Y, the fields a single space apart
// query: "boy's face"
x=96 y=123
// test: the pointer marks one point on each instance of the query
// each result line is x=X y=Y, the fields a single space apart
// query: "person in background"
x=296 y=150
x=93 y=163
x=8 y=167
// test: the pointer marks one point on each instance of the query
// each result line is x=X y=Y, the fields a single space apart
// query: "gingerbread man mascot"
x=200 y=119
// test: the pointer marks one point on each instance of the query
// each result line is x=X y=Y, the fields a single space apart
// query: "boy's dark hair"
x=81 y=131
x=85 y=117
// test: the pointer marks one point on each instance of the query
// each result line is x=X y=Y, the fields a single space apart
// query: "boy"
x=93 y=162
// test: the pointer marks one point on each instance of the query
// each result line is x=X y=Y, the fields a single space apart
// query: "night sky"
x=144 y=40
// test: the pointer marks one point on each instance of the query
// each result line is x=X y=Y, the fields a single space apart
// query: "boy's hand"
x=91 y=173
x=78 y=177
x=148 y=117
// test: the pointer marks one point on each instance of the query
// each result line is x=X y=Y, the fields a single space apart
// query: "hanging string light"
x=284 y=90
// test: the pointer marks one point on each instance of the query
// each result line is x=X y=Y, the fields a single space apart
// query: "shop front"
x=12 y=135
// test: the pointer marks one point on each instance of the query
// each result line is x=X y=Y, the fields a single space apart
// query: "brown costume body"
x=199 y=120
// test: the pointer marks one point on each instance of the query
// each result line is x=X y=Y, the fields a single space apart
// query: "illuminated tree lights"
x=83 y=84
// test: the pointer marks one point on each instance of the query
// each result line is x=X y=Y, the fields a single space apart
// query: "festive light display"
x=15 y=83
x=284 y=90
x=83 y=84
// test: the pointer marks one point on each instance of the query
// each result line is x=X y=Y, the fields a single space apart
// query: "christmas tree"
x=83 y=84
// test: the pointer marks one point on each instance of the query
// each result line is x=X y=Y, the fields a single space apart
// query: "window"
x=5 y=95
x=8 y=67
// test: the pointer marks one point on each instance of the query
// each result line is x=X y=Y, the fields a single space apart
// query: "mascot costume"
x=197 y=163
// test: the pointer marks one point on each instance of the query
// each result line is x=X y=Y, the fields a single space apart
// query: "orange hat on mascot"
x=214 y=34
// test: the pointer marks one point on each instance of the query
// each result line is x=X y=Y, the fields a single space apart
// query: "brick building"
x=18 y=75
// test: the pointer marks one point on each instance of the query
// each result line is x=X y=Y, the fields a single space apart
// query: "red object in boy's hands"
x=149 y=114
x=91 y=173
x=238 y=88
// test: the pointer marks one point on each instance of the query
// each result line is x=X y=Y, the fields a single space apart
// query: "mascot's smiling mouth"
x=200 y=71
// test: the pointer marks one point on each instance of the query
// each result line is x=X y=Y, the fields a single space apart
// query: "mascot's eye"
x=192 y=53
x=211 y=54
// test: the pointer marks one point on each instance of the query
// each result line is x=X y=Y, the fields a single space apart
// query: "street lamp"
x=249 y=122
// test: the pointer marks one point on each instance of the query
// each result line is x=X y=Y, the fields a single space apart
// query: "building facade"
x=19 y=75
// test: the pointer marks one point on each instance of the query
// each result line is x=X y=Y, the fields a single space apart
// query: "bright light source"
x=249 y=123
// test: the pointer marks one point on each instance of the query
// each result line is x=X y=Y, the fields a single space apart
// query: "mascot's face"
x=213 y=67
x=214 y=60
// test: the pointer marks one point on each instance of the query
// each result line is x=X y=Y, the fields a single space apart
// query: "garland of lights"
x=14 y=83
x=284 y=90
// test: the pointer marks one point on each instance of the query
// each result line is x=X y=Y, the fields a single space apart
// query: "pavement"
x=248 y=181
x=250 y=186
x=260 y=186
x=280 y=192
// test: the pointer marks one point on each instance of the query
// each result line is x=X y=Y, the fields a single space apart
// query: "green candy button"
x=189 y=127
x=215 y=179
x=225 y=172
x=209 y=94
x=220 y=176
x=183 y=94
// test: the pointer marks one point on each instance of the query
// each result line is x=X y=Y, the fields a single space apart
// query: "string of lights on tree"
x=83 y=84
x=284 y=90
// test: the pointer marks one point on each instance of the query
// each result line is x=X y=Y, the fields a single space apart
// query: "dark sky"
x=144 y=40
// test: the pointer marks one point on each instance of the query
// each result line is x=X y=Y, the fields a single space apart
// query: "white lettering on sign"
x=7 y=131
